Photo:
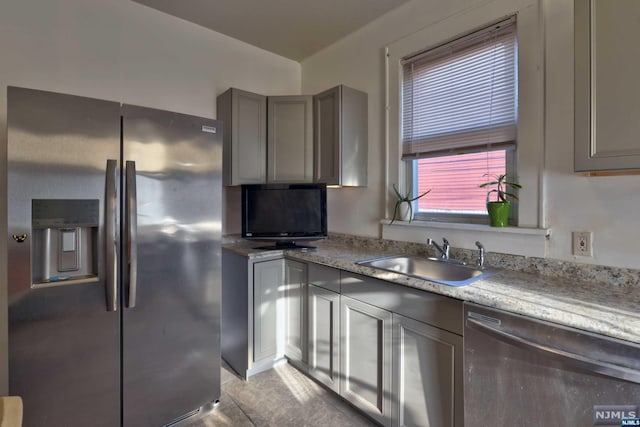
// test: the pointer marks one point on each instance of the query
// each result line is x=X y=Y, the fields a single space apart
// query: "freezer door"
x=171 y=319
x=64 y=345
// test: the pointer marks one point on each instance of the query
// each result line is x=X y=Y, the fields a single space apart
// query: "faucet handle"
x=445 y=248
x=480 y=261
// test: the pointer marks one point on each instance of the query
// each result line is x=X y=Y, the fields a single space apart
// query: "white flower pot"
x=404 y=211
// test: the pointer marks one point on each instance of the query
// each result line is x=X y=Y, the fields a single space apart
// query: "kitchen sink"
x=446 y=272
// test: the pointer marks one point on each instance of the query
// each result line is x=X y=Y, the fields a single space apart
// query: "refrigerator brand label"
x=208 y=129
x=613 y=414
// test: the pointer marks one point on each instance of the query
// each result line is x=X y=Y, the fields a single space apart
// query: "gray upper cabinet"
x=299 y=138
x=245 y=137
x=340 y=136
x=607 y=89
x=290 y=139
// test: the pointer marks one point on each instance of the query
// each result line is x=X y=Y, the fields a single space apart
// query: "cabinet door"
x=354 y=137
x=245 y=136
x=607 y=104
x=268 y=321
x=366 y=358
x=324 y=336
x=235 y=326
x=295 y=295
x=326 y=110
x=290 y=139
x=427 y=375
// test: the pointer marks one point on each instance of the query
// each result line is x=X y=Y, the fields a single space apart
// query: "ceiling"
x=294 y=29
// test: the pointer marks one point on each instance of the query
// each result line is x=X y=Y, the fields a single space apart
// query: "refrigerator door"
x=64 y=344
x=171 y=319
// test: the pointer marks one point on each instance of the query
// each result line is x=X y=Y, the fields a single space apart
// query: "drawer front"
x=436 y=310
x=324 y=277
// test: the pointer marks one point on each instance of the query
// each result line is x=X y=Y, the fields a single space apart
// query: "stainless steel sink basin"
x=433 y=269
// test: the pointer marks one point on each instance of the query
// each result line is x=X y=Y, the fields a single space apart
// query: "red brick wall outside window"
x=454 y=181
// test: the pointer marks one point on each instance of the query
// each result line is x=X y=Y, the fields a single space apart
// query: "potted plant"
x=404 y=205
x=500 y=208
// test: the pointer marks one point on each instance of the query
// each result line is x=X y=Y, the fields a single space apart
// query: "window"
x=459 y=117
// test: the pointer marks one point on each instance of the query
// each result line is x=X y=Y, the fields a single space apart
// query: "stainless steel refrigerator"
x=114 y=226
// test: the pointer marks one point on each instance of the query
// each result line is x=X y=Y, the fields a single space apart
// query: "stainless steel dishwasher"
x=525 y=372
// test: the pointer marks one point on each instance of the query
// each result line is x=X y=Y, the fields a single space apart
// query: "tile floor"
x=280 y=397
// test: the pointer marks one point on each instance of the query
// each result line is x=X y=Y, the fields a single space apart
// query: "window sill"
x=523 y=241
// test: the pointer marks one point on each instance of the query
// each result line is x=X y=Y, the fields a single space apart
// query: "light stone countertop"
x=598 y=307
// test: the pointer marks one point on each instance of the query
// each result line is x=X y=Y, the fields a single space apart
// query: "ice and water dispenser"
x=65 y=240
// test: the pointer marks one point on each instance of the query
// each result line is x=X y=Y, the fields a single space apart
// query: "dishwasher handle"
x=559 y=355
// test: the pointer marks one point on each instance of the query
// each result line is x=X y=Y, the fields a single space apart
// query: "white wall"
x=607 y=206
x=122 y=51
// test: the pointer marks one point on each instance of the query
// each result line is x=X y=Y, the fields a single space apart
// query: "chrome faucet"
x=444 y=250
x=480 y=262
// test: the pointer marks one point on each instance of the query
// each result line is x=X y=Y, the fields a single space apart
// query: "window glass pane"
x=454 y=181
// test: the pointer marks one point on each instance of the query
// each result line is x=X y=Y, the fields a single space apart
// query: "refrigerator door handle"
x=111 y=206
x=132 y=233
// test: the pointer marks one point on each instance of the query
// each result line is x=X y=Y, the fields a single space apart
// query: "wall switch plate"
x=582 y=243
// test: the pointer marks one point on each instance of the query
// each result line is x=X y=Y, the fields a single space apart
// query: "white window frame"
x=460 y=44
x=530 y=151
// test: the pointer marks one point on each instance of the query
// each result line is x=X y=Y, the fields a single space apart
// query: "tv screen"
x=284 y=212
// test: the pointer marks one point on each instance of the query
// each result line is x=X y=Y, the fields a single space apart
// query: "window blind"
x=461 y=96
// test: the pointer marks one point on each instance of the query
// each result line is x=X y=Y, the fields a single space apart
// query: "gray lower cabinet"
x=290 y=138
x=295 y=300
x=394 y=352
x=427 y=375
x=268 y=321
x=365 y=348
x=252 y=322
x=324 y=336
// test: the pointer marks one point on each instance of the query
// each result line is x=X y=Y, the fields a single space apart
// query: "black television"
x=284 y=213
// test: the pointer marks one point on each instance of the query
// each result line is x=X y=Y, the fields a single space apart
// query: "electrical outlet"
x=582 y=243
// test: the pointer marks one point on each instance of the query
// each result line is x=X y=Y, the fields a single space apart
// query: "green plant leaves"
x=405 y=198
x=501 y=183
